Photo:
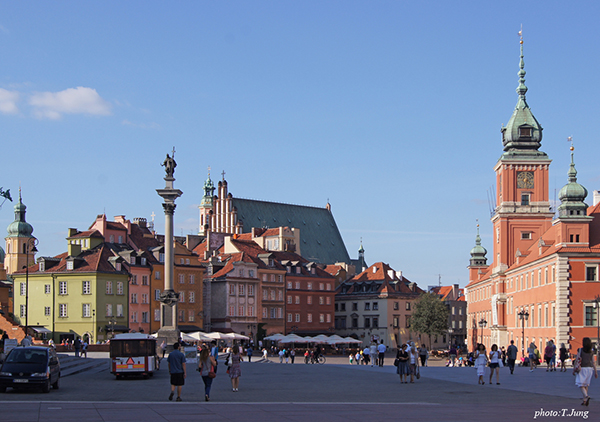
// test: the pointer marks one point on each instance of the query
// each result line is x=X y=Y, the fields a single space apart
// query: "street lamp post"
x=523 y=316
x=112 y=322
x=597 y=306
x=33 y=250
x=93 y=326
x=482 y=325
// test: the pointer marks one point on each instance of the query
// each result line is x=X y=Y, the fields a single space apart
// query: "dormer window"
x=525 y=132
x=69 y=265
x=42 y=266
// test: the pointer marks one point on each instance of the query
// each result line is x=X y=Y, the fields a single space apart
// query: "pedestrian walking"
x=77 y=346
x=27 y=341
x=176 y=362
x=553 y=360
x=367 y=356
x=214 y=352
x=480 y=361
x=265 y=354
x=587 y=367
x=423 y=354
x=548 y=355
x=511 y=356
x=207 y=364
x=163 y=347
x=495 y=360
x=531 y=352
x=249 y=353
x=281 y=355
x=381 y=349
x=373 y=354
x=286 y=354
x=413 y=360
x=563 y=356
x=403 y=364
x=84 y=347
x=292 y=355
x=452 y=354
x=235 y=371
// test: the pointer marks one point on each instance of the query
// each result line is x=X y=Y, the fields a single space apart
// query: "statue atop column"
x=169 y=164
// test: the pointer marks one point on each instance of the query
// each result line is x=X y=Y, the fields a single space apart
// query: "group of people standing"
x=407 y=362
x=584 y=365
x=208 y=362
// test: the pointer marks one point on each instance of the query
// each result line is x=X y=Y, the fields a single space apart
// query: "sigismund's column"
x=169 y=297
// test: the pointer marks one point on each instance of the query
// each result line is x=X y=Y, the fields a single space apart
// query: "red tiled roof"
x=87 y=233
x=92 y=260
x=111 y=225
x=333 y=269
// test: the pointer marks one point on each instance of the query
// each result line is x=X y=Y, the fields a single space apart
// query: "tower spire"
x=522 y=136
x=572 y=195
x=522 y=89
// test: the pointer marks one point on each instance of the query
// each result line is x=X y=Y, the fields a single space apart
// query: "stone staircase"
x=71 y=365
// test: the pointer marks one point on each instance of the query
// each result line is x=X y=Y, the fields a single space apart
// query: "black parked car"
x=30 y=367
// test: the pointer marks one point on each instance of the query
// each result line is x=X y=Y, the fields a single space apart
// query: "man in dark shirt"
x=511 y=355
x=176 y=362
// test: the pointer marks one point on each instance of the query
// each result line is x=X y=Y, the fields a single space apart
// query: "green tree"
x=430 y=315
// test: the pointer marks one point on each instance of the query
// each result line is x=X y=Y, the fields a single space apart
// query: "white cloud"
x=8 y=101
x=151 y=125
x=80 y=100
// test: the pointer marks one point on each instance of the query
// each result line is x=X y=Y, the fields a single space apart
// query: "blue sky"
x=391 y=110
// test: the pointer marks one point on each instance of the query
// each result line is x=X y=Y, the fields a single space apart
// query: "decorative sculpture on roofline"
x=6 y=195
x=169 y=164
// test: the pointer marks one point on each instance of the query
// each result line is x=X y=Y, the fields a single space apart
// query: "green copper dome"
x=522 y=136
x=478 y=252
x=20 y=227
x=572 y=196
x=209 y=191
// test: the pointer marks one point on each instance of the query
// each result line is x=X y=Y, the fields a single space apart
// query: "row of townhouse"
x=108 y=281
x=255 y=287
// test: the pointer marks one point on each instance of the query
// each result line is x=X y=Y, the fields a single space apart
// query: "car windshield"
x=27 y=356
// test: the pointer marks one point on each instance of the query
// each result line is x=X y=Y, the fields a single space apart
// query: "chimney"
x=596 y=197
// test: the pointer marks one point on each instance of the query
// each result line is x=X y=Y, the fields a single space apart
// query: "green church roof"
x=19 y=227
x=320 y=239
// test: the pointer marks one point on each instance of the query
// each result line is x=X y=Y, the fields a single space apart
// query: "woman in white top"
x=413 y=361
x=480 y=361
x=495 y=363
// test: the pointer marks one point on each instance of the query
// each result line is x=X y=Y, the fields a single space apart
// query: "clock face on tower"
x=525 y=180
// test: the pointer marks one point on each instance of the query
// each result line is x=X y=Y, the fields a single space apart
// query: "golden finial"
x=521 y=34
x=570 y=139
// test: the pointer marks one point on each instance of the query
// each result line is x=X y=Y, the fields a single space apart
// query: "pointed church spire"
x=522 y=136
x=522 y=89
